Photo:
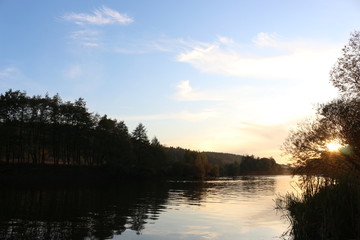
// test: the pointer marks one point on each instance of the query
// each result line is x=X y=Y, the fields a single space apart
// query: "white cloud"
x=225 y=40
x=100 y=16
x=85 y=35
x=164 y=44
x=187 y=93
x=199 y=116
x=266 y=39
x=88 y=38
x=299 y=60
x=8 y=73
x=275 y=84
x=184 y=88
x=90 y=44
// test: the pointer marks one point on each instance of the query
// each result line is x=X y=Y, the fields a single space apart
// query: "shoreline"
x=70 y=174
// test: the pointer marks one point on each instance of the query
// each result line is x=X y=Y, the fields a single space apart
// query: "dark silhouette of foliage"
x=328 y=207
x=187 y=163
x=140 y=134
x=337 y=120
x=45 y=130
x=223 y=158
x=345 y=74
x=253 y=165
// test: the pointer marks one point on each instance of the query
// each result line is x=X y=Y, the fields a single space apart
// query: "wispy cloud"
x=13 y=77
x=266 y=39
x=88 y=38
x=74 y=71
x=90 y=44
x=275 y=82
x=186 y=93
x=225 y=40
x=166 y=44
x=8 y=73
x=288 y=59
x=100 y=16
x=202 y=115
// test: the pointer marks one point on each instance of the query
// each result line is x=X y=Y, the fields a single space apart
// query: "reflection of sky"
x=230 y=213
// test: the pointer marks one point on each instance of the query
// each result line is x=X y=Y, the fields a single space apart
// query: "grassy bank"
x=325 y=210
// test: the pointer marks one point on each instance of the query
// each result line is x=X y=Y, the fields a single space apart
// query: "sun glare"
x=333 y=146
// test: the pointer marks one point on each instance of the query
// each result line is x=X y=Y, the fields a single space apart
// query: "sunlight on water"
x=225 y=209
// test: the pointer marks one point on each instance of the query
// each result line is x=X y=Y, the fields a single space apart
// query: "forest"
x=47 y=131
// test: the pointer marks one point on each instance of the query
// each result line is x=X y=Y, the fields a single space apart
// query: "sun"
x=333 y=146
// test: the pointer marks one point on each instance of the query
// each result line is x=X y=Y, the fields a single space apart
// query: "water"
x=241 y=208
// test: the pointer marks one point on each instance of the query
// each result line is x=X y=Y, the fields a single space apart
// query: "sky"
x=209 y=75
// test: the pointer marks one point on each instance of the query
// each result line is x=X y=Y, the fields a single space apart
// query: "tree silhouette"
x=337 y=120
x=139 y=134
x=345 y=75
x=48 y=131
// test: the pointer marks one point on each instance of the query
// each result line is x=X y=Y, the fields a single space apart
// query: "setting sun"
x=333 y=146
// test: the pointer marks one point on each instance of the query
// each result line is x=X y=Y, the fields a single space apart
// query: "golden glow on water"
x=230 y=209
x=225 y=208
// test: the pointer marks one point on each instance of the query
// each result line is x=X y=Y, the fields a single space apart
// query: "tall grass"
x=326 y=209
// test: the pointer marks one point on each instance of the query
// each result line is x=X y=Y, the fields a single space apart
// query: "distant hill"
x=230 y=164
x=223 y=158
x=177 y=154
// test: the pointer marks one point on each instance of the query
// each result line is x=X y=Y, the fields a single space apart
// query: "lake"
x=228 y=208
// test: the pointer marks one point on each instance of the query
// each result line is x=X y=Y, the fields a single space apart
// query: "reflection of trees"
x=196 y=191
x=78 y=212
x=192 y=191
x=258 y=184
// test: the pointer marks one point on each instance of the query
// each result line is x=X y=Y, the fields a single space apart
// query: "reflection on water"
x=241 y=208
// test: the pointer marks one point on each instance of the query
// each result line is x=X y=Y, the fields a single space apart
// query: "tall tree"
x=140 y=134
x=141 y=146
x=345 y=75
x=337 y=120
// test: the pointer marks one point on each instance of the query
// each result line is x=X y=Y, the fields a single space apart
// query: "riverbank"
x=65 y=174
x=70 y=174
x=324 y=210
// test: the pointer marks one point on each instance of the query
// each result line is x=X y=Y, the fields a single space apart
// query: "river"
x=224 y=209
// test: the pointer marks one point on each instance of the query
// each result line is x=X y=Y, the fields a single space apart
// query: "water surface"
x=240 y=208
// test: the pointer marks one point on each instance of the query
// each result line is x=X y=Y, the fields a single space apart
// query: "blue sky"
x=227 y=76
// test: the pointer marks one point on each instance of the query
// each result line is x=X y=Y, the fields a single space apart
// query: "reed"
x=326 y=209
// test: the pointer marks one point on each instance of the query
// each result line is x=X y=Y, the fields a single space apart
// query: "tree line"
x=47 y=130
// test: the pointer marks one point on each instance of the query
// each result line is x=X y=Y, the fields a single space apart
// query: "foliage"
x=140 y=134
x=187 y=163
x=191 y=164
x=45 y=130
x=328 y=207
x=223 y=158
x=345 y=74
x=259 y=165
x=324 y=211
x=337 y=120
